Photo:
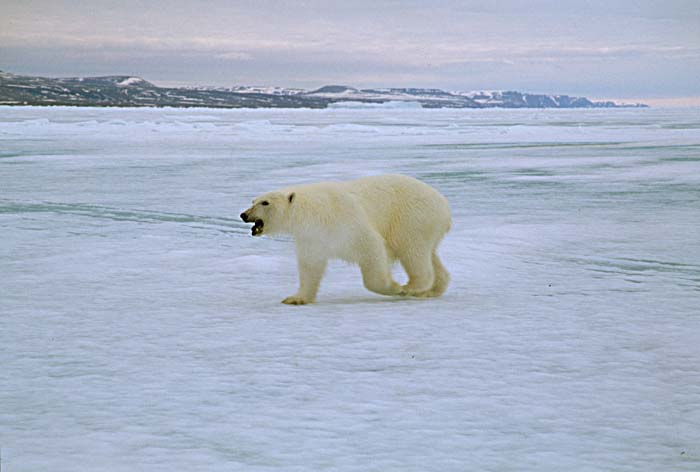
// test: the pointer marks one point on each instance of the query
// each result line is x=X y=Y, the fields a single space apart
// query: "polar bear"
x=372 y=222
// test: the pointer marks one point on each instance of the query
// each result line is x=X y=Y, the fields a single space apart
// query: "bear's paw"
x=295 y=300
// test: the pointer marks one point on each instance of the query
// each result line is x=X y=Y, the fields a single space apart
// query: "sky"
x=612 y=49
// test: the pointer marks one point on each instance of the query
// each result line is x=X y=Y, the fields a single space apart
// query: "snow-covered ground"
x=141 y=329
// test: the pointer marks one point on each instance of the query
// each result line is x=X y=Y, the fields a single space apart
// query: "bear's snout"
x=244 y=217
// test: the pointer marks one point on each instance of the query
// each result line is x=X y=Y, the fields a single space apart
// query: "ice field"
x=141 y=329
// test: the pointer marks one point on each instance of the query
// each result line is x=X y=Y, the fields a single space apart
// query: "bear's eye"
x=265 y=203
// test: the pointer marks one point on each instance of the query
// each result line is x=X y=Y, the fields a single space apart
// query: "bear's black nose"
x=244 y=216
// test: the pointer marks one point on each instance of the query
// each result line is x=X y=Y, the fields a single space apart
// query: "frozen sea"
x=141 y=329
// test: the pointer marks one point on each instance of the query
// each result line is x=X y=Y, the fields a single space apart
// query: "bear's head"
x=269 y=213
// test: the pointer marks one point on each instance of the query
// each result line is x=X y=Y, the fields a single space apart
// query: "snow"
x=130 y=81
x=389 y=104
x=483 y=97
x=141 y=329
x=254 y=89
x=395 y=95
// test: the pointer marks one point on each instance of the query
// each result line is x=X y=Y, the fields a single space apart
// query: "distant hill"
x=129 y=91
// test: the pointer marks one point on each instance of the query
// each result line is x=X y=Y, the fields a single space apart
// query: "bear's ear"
x=291 y=197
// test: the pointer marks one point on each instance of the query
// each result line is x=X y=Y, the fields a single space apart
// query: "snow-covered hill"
x=130 y=91
x=437 y=98
x=511 y=99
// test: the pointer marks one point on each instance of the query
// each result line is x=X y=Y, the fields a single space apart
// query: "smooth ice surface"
x=141 y=329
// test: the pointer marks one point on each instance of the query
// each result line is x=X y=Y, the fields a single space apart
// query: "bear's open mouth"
x=257 y=227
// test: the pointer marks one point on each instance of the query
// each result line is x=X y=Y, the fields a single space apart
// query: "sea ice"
x=141 y=329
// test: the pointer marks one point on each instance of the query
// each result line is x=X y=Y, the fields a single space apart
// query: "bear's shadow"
x=368 y=300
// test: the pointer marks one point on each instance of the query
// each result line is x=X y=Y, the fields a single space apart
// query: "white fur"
x=371 y=222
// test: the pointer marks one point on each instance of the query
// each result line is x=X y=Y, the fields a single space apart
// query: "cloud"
x=235 y=56
x=408 y=53
x=544 y=44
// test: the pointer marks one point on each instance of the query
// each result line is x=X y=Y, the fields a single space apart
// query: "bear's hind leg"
x=442 y=278
x=419 y=268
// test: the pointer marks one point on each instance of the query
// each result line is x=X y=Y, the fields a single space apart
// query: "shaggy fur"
x=371 y=222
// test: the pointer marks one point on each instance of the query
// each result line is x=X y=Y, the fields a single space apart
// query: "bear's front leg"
x=310 y=274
